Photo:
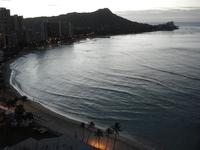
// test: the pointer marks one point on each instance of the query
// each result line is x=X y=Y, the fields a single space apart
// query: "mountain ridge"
x=100 y=22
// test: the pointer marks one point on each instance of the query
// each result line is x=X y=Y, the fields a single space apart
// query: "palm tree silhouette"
x=90 y=127
x=99 y=135
x=116 y=128
x=20 y=114
x=108 y=131
x=83 y=130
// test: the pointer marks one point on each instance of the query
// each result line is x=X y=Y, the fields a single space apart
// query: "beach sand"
x=69 y=127
x=65 y=126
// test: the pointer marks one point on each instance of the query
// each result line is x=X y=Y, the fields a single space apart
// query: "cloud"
x=5 y=0
x=52 y=5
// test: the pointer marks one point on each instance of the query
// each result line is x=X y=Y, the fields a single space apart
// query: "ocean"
x=149 y=83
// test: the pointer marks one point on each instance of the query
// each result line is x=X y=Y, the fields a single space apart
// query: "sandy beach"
x=65 y=126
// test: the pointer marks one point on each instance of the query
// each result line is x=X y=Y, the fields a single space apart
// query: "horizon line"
x=115 y=11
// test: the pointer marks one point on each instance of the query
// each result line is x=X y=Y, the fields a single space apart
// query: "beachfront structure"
x=17 y=32
x=4 y=26
x=55 y=31
x=11 y=29
x=51 y=30
x=4 y=20
x=59 y=143
x=70 y=30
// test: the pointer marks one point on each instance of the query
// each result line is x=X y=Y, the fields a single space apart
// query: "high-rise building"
x=44 y=34
x=11 y=29
x=70 y=30
x=16 y=23
x=4 y=26
x=50 y=30
x=4 y=20
x=53 y=30
x=17 y=29
x=60 y=29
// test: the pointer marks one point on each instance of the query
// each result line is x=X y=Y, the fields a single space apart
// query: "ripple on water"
x=149 y=83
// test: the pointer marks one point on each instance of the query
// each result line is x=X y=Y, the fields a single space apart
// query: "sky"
x=33 y=8
x=179 y=16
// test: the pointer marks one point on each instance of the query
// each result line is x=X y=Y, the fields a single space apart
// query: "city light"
x=100 y=146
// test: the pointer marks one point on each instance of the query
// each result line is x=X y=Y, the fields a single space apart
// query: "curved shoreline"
x=34 y=100
x=63 y=124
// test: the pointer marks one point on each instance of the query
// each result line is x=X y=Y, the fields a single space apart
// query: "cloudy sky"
x=32 y=8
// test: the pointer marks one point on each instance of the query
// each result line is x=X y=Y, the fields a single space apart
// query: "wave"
x=171 y=72
x=51 y=106
x=182 y=49
x=78 y=114
x=17 y=86
x=99 y=101
x=64 y=95
x=140 y=78
x=97 y=116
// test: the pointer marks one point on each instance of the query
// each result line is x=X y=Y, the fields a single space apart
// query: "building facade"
x=17 y=33
x=11 y=29
x=4 y=26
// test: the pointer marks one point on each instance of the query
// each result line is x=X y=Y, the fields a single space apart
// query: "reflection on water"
x=148 y=82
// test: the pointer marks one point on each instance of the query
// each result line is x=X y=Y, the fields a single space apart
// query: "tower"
x=70 y=30
x=60 y=29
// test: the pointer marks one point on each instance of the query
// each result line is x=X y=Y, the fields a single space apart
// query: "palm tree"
x=83 y=130
x=99 y=135
x=90 y=127
x=116 y=128
x=20 y=114
x=109 y=131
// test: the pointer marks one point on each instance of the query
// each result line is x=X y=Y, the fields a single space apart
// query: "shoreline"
x=62 y=124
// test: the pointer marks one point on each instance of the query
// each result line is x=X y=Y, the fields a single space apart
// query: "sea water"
x=149 y=83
